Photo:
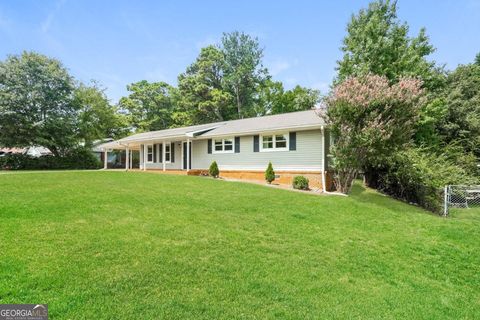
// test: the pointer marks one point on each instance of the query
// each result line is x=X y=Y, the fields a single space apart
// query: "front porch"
x=166 y=155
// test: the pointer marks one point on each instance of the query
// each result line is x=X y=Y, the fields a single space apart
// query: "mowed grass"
x=116 y=245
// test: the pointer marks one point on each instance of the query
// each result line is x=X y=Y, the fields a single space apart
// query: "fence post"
x=445 y=201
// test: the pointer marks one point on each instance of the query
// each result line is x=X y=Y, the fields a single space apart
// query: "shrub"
x=79 y=158
x=269 y=173
x=213 y=170
x=419 y=177
x=300 y=182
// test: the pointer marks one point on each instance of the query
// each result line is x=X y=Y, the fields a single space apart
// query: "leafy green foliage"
x=213 y=170
x=150 y=105
x=36 y=103
x=97 y=119
x=300 y=182
x=269 y=173
x=274 y=99
x=461 y=124
x=77 y=158
x=377 y=42
x=418 y=176
x=244 y=71
x=202 y=88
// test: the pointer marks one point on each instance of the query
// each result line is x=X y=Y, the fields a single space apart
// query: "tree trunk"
x=239 y=105
x=371 y=177
x=54 y=150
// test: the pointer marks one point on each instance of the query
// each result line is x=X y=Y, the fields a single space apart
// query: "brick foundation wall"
x=281 y=177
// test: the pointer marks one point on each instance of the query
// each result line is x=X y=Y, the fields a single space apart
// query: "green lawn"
x=116 y=245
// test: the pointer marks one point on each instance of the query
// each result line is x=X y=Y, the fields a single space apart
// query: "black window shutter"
x=161 y=152
x=172 y=152
x=237 y=144
x=154 y=159
x=209 y=146
x=256 y=146
x=293 y=141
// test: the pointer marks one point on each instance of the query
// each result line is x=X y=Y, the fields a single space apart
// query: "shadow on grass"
x=366 y=195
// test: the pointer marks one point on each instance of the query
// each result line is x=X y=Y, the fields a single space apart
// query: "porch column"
x=127 y=159
x=163 y=154
x=188 y=155
x=105 y=158
x=131 y=159
x=144 y=157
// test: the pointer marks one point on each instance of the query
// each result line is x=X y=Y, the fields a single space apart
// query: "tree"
x=377 y=42
x=273 y=99
x=36 y=103
x=244 y=72
x=97 y=119
x=369 y=120
x=202 y=92
x=461 y=124
x=150 y=105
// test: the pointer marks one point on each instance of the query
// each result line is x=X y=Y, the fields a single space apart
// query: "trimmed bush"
x=269 y=173
x=300 y=182
x=213 y=170
x=79 y=158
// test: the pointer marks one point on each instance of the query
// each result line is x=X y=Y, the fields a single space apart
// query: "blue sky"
x=120 y=42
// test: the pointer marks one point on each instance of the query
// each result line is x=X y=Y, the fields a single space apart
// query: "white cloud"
x=323 y=86
x=46 y=24
x=279 y=65
x=5 y=24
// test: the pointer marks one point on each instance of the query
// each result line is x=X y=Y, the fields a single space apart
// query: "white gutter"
x=266 y=131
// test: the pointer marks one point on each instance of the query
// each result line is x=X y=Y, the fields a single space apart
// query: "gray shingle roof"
x=292 y=120
x=286 y=121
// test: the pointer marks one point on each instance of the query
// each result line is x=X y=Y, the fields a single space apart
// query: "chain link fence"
x=461 y=196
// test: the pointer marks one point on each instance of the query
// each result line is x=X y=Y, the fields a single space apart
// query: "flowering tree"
x=369 y=119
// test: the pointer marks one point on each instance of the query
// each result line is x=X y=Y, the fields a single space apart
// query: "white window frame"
x=274 y=141
x=223 y=145
x=148 y=146
x=169 y=152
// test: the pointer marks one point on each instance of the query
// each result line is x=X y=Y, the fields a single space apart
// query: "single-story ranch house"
x=296 y=143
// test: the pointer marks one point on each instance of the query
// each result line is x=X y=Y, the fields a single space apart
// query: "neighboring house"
x=31 y=151
x=295 y=143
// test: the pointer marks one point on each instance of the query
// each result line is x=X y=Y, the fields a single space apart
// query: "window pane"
x=267 y=142
x=228 y=144
x=280 y=141
x=218 y=145
x=150 y=153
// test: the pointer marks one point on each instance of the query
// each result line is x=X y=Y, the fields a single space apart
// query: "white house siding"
x=308 y=155
x=177 y=164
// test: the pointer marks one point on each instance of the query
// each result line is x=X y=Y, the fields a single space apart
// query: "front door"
x=185 y=156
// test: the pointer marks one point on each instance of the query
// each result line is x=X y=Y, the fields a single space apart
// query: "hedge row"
x=419 y=177
x=74 y=159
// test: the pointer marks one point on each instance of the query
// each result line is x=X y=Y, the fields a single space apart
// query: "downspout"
x=324 y=188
